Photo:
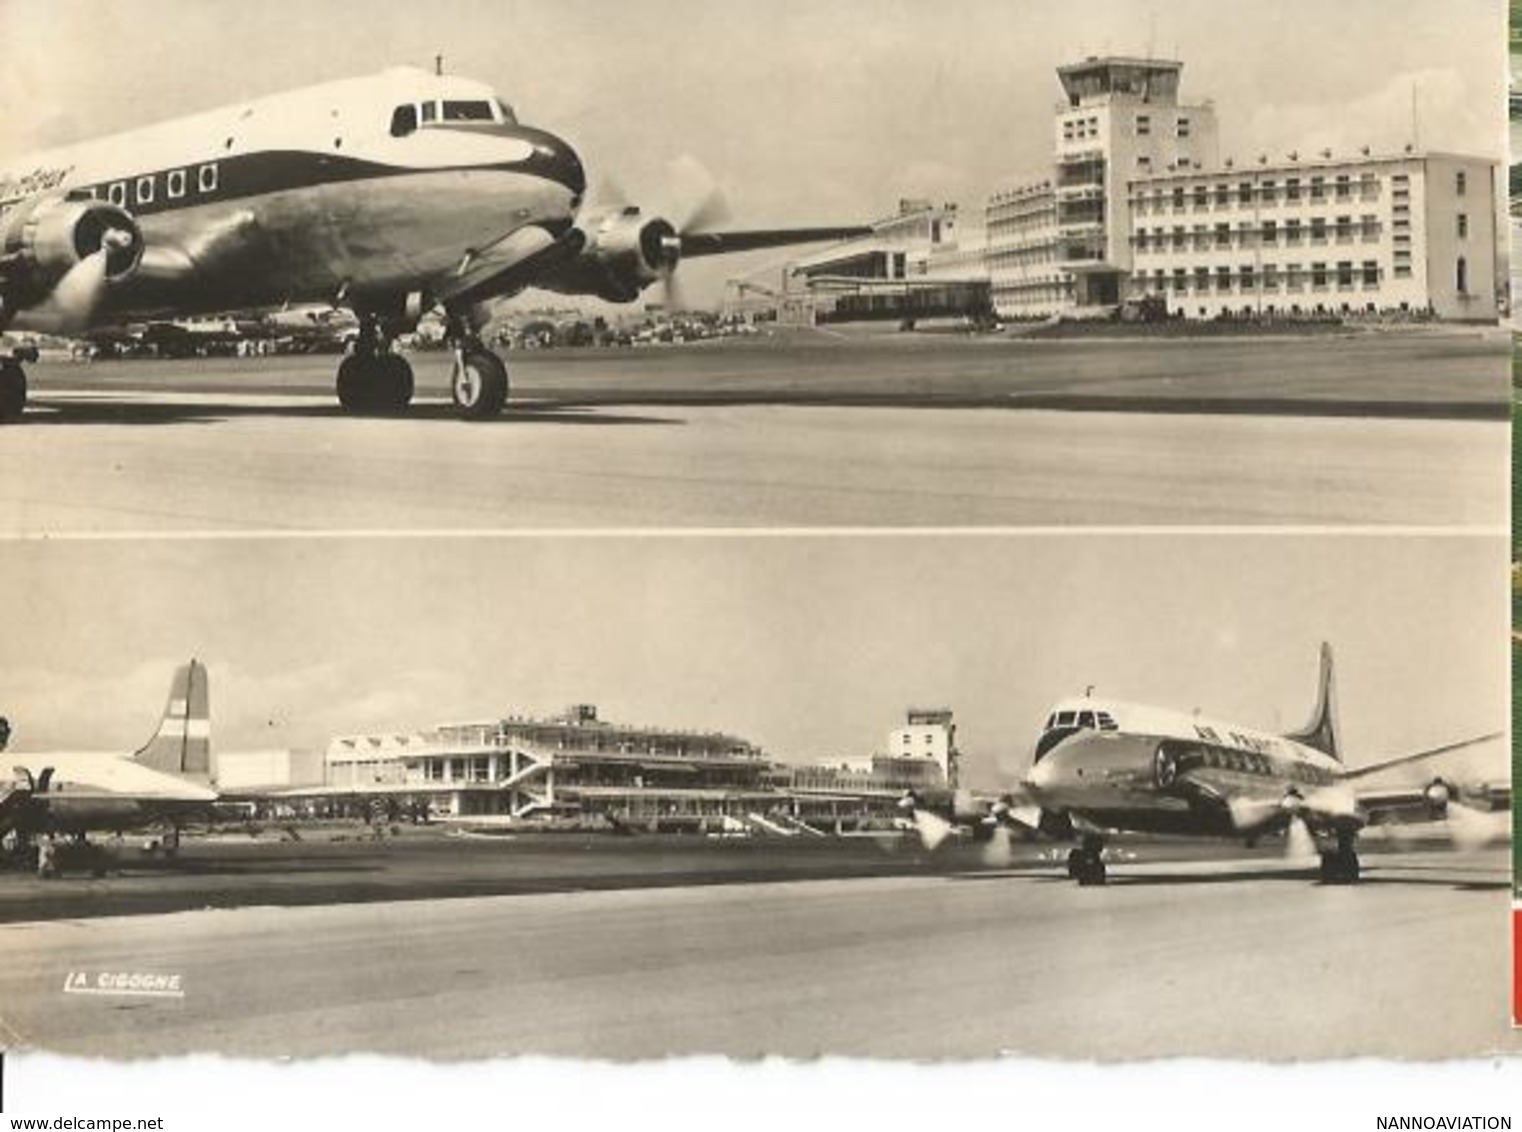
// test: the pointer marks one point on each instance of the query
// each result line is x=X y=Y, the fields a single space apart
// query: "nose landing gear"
x=1086 y=863
x=478 y=381
x=12 y=390
x=1340 y=865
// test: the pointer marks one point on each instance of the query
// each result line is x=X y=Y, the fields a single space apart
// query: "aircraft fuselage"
x=316 y=195
x=1128 y=767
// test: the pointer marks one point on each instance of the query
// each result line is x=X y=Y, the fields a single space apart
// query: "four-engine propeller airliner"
x=390 y=195
x=1101 y=766
x=79 y=792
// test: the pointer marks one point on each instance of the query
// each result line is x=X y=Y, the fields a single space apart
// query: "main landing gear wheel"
x=1340 y=865
x=478 y=383
x=375 y=383
x=12 y=391
x=1086 y=864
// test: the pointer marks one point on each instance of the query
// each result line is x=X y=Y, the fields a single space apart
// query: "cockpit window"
x=506 y=112
x=1106 y=721
x=430 y=111
x=463 y=111
x=1086 y=719
x=1065 y=718
x=403 y=120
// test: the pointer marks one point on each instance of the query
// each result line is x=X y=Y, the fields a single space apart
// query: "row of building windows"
x=1226 y=194
x=1317 y=230
x=1344 y=274
x=1036 y=251
x=1076 y=129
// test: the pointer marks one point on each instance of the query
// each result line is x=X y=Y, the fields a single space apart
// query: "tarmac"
x=1178 y=955
x=817 y=434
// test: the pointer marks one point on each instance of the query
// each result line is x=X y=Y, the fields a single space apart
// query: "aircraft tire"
x=396 y=384
x=1092 y=873
x=1075 y=863
x=12 y=391
x=478 y=384
x=1338 y=867
x=353 y=384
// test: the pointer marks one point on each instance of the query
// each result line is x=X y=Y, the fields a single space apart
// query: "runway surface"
x=942 y=433
x=1200 y=957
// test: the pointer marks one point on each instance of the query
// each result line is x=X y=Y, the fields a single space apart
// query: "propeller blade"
x=1299 y=845
x=73 y=301
x=1251 y=813
x=1335 y=801
x=608 y=193
x=1470 y=829
x=932 y=828
x=672 y=296
x=999 y=853
x=697 y=200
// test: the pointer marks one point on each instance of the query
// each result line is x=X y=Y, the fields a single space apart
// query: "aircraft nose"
x=555 y=160
x=1051 y=772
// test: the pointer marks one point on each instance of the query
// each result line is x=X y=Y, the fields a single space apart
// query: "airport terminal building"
x=577 y=768
x=918 y=263
x=573 y=764
x=1139 y=204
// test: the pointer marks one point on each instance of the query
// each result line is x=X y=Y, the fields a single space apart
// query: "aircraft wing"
x=509 y=265
x=1418 y=756
x=721 y=243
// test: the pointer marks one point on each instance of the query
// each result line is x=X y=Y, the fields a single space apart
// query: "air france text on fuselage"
x=17 y=188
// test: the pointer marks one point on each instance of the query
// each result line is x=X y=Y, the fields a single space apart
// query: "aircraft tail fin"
x=1320 y=733
x=182 y=743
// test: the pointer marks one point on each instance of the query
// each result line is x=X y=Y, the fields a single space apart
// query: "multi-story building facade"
x=915 y=264
x=1363 y=235
x=1140 y=204
x=1062 y=240
x=579 y=767
x=929 y=735
x=1022 y=252
x=572 y=764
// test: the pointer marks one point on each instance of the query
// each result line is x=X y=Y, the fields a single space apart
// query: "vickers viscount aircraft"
x=390 y=195
x=77 y=793
x=1101 y=767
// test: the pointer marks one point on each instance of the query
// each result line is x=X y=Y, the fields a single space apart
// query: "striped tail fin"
x=182 y=744
x=1320 y=733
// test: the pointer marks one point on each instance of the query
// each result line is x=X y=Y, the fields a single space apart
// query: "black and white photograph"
x=837 y=539
x=632 y=797
x=823 y=265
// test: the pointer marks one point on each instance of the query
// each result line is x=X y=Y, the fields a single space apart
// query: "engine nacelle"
x=1437 y=795
x=624 y=253
x=42 y=240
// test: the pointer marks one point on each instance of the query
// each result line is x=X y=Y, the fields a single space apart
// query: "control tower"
x=1122 y=120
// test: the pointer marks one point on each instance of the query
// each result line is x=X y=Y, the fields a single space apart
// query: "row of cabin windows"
x=1252 y=763
x=177 y=185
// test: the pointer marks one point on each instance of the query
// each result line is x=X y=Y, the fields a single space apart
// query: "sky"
x=803 y=111
x=812 y=647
